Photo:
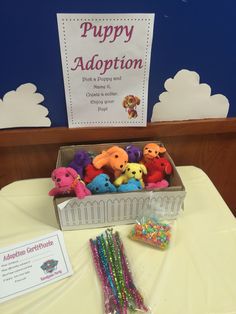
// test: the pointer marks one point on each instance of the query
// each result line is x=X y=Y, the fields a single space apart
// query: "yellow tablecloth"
x=196 y=275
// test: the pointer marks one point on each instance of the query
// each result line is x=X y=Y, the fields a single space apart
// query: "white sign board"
x=33 y=264
x=105 y=60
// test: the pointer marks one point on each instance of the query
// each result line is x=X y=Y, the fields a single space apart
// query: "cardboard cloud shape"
x=185 y=98
x=22 y=108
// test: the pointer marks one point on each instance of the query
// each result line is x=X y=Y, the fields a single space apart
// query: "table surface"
x=197 y=274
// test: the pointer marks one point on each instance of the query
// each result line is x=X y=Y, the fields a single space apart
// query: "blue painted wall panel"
x=197 y=35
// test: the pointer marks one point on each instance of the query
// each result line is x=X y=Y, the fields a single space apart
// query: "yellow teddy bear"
x=132 y=170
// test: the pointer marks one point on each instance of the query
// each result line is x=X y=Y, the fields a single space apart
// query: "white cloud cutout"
x=22 y=108
x=185 y=98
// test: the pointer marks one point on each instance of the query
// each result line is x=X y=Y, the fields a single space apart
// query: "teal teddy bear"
x=131 y=185
x=101 y=184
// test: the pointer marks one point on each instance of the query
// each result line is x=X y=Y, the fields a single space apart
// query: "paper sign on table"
x=105 y=60
x=33 y=264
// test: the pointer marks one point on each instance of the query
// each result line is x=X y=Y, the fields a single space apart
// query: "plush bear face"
x=152 y=150
x=64 y=176
x=101 y=184
x=134 y=153
x=135 y=171
x=118 y=159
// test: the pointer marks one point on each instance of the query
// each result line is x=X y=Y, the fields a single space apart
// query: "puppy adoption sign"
x=105 y=61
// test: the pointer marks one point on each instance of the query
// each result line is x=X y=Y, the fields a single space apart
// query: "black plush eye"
x=140 y=171
x=116 y=156
x=146 y=148
x=106 y=179
x=67 y=175
x=97 y=189
x=128 y=169
x=155 y=152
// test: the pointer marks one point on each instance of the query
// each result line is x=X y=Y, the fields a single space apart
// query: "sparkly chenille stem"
x=129 y=281
x=128 y=275
x=126 y=290
x=110 y=300
x=105 y=267
x=112 y=274
x=117 y=270
x=120 y=293
x=133 y=301
x=112 y=267
x=106 y=289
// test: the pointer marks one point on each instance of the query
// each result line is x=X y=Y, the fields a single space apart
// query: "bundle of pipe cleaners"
x=120 y=293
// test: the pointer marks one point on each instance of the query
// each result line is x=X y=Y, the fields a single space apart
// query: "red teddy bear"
x=157 y=170
x=91 y=172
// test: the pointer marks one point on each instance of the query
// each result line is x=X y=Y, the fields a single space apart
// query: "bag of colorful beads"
x=150 y=230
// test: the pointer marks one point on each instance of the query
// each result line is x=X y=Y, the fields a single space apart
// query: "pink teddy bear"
x=67 y=181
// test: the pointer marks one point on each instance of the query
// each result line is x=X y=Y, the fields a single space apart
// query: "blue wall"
x=197 y=35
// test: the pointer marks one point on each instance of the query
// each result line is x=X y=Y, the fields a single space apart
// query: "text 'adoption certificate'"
x=30 y=265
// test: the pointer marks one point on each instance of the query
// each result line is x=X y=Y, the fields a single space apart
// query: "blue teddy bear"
x=131 y=185
x=101 y=184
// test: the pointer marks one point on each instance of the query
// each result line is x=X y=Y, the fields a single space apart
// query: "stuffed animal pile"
x=113 y=170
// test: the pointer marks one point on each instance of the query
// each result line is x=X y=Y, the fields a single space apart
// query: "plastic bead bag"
x=152 y=230
x=120 y=293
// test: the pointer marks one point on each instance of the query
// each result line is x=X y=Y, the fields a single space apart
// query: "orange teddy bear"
x=152 y=150
x=114 y=158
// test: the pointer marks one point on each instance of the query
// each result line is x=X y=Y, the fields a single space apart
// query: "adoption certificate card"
x=105 y=61
x=33 y=264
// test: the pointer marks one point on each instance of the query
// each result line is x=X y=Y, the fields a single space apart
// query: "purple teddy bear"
x=135 y=153
x=80 y=161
